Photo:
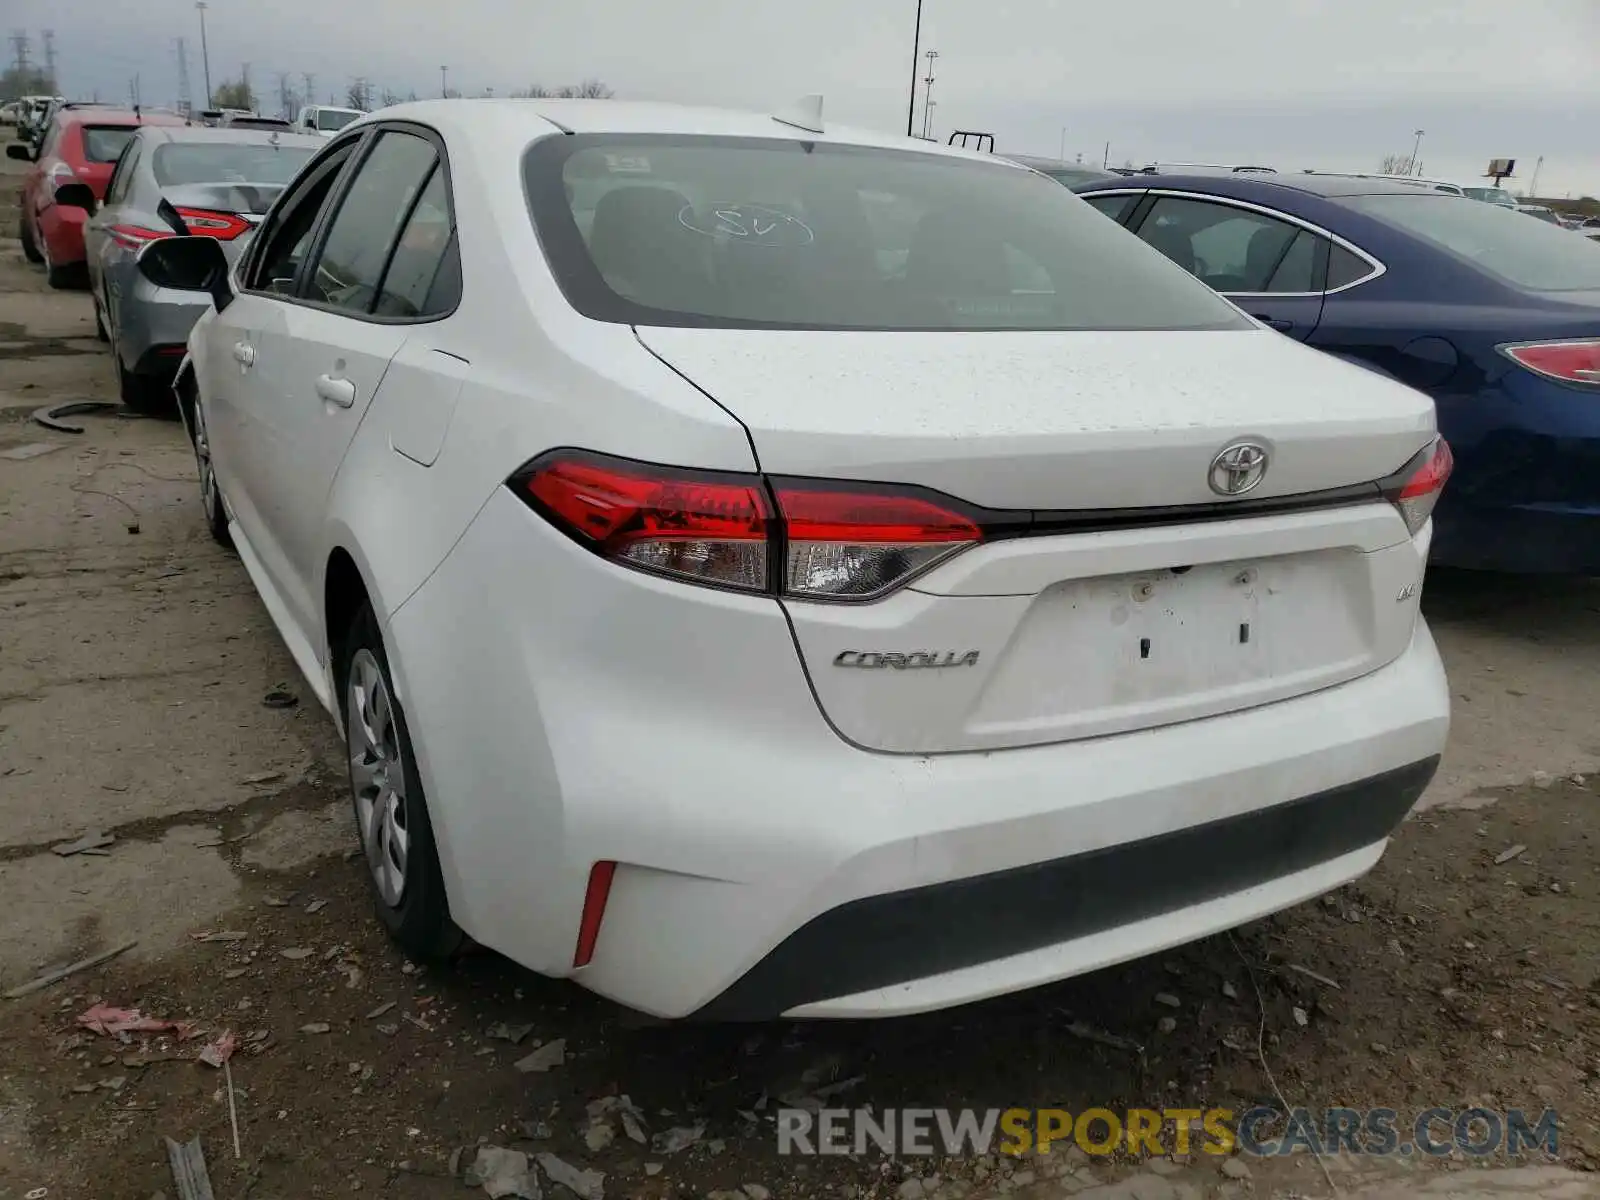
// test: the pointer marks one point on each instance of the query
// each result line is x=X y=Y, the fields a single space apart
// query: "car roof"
x=235 y=136
x=116 y=116
x=501 y=121
x=1309 y=184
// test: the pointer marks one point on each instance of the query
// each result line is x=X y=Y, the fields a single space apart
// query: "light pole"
x=916 y=53
x=205 y=52
x=1063 y=155
x=1416 y=154
x=927 y=98
x=444 y=83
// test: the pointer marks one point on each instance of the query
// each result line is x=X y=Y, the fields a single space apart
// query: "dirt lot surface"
x=134 y=658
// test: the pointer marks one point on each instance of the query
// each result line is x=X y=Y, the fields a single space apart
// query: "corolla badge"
x=1238 y=468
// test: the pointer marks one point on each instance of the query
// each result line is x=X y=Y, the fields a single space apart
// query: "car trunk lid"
x=1097 y=621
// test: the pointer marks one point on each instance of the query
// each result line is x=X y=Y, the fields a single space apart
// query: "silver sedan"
x=172 y=179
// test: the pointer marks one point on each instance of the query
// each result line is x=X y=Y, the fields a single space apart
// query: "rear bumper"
x=878 y=948
x=1525 y=495
x=152 y=321
x=579 y=712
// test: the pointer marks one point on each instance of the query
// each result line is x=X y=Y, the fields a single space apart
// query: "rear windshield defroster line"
x=774 y=233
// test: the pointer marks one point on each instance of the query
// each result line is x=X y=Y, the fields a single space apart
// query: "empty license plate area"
x=1104 y=655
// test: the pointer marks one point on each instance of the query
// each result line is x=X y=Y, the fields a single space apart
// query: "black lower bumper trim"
x=902 y=936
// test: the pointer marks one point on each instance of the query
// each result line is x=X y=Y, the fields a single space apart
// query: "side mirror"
x=20 y=150
x=76 y=195
x=188 y=264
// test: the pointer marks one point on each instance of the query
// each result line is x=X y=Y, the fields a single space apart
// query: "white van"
x=325 y=119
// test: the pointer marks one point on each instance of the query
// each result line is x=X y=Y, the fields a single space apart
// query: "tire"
x=410 y=900
x=73 y=277
x=30 y=248
x=210 y=494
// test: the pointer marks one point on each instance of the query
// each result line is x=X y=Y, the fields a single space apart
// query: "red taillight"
x=840 y=541
x=855 y=545
x=706 y=527
x=1569 y=362
x=205 y=222
x=594 y=911
x=131 y=237
x=1415 y=490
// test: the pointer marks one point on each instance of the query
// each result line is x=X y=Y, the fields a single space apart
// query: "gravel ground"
x=132 y=671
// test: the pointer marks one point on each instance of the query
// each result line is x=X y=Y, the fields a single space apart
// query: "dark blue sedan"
x=1494 y=316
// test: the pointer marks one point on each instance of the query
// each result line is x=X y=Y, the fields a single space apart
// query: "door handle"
x=336 y=391
x=1280 y=325
x=244 y=354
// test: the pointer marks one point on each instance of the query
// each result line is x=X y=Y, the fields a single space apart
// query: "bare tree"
x=359 y=95
x=1395 y=164
x=589 y=89
x=389 y=98
x=25 y=81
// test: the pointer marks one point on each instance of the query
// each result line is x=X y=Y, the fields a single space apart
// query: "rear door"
x=106 y=255
x=367 y=281
x=1269 y=264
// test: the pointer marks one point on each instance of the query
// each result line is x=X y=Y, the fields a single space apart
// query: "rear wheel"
x=390 y=809
x=30 y=249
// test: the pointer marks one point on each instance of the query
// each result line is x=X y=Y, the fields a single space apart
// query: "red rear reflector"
x=1569 y=362
x=205 y=222
x=594 y=911
x=1416 y=493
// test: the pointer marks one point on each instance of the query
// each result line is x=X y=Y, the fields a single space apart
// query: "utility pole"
x=1416 y=154
x=284 y=96
x=310 y=81
x=1105 y=159
x=185 y=99
x=205 y=52
x=916 y=53
x=444 y=83
x=1533 y=184
x=244 y=81
x=927 y=97
x=49 y=37
x=133 y=92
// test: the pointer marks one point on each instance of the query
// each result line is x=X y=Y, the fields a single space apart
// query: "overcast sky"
x=1335 y=84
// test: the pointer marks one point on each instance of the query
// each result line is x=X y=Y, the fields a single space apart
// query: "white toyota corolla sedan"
x=766 y=568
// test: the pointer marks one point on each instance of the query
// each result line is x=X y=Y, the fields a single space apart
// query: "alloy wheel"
x=202 y=459
x=377 y=776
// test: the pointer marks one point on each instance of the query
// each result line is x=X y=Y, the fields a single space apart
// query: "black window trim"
x=330 y=210
x=121 y=172
x=307 y=179
x=1378 y=267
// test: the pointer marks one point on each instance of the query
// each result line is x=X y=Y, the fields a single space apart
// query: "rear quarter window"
x=1501 y=242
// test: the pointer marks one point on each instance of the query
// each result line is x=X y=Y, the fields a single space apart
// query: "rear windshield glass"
x=1491 y=195
x=104 y=143
x=219 y=162
x=1526 y=253
x=772 y=233
x=335 y=120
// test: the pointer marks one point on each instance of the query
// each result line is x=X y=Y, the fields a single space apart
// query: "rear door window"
x=1115 y=207
x=1232 y=249
x=349 y=268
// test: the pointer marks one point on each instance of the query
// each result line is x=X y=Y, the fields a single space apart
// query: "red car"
x=81 y=146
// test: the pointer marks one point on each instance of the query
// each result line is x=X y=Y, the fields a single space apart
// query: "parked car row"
x=105 y=182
